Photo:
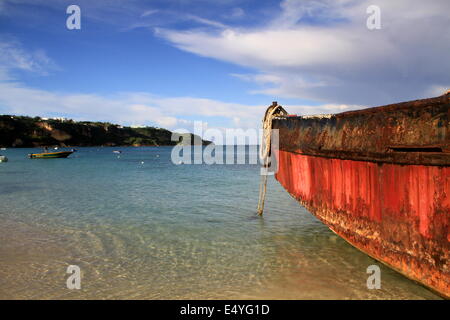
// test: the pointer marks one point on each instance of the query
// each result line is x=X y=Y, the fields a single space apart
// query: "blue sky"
x=169 y=63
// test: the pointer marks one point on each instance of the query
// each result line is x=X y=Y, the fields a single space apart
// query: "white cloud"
x=139 y=108
x=237 y=13
x=129 y=108
x=14 y=57
x=204 y=21
x=149 y=13
x=322 y=50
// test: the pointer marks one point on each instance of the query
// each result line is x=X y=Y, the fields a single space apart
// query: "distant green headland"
x=20 y=131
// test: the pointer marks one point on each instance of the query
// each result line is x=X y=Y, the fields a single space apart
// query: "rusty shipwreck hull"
x=380 y=179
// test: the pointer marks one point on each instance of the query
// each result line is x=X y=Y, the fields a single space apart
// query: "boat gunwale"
x=385 y=148
x=59 y=154
x=418 y=103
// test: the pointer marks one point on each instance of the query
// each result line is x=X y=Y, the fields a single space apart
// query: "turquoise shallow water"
x=140 y=227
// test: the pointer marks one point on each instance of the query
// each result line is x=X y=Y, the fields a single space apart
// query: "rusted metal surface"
x=375 y=134
x=396 y=208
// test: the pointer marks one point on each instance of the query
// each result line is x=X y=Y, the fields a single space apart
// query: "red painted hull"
x=394 y=206
x=396 y=214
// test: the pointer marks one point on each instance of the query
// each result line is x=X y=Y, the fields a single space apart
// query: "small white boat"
x=3 y=159
x=117 y=151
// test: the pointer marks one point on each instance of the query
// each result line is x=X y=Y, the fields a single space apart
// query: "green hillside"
x=19 y=131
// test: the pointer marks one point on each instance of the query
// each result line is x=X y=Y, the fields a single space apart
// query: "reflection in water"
x=160 y=231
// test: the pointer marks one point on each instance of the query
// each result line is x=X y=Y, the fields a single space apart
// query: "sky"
x=169 y=63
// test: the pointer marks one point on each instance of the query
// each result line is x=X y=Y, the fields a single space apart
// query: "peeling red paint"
x=399 y=214
x=379 y=178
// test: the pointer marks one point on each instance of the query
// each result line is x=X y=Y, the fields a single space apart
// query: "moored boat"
x=379 y=178
x=50 y=155
x=3 y=159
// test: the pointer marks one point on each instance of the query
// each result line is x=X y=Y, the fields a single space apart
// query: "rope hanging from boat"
x=273 y=111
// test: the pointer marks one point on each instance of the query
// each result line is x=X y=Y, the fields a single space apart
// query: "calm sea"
x=140 y=227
